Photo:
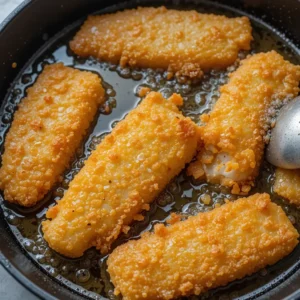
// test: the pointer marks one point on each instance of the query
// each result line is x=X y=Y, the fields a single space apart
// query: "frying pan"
x=23 y=32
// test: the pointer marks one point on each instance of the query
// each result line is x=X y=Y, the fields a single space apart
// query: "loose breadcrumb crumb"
x=234 y=130
x=203 y=252
x=126 y=172
x=47 y=128
x=184 y=41
x=287 y=185
x=205 y=198
x=143 y=91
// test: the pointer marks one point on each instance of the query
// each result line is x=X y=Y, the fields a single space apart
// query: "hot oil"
x=87 y=275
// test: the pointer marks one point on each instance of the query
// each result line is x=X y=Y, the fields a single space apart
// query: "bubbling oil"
x=87 y=275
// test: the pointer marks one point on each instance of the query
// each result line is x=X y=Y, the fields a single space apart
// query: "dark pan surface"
x=87 y=276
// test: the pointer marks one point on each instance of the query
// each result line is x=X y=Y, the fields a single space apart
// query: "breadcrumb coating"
x=164 y=38
x=47 y=128
x=125 y=173
x=205 y=251
x=287 y=185
x=233 y=131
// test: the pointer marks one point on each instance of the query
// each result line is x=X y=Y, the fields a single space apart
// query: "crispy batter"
x=203 y=252
x=234 y=130
x=162 y=38
x=127 y=171
x=47 y=128
x=287 y=185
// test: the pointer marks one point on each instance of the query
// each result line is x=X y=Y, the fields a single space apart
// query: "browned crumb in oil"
x=143 y=91
x=187 y=70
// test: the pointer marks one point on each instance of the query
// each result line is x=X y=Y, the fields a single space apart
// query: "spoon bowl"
x=284 y=148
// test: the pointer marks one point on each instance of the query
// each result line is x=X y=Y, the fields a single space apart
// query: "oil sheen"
x=87 y=275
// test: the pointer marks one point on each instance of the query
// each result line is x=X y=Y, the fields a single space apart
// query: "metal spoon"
x=284 y=147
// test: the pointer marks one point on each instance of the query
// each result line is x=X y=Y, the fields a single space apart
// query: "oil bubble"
x=6 y=118
x=292 y=219
x=186 y=88
x=53 y=272
x=54 y=261
x=65 y=269
x=111 y=295
x=161 y=201
x=200 y=98
x=82 y=275
x=41 y=249
x=95 y=140
x=13 y=219
x=125 y=73
x=114 y=124
x=113 y=67
x=35 y=250
x=9 y=108
x=287 y=209
x=65 y=183
x=102 y=136
x=48 y=253
x=80 y=164
x=26 y=78
x=59 y=192
x=110 y=92
x=166 y=92
x=136 y=76
x=40 y=258
x=112 y=102
x=150 y=80
x=28 y=244
x=16 y=92
x=192 y=208
x=174 y=188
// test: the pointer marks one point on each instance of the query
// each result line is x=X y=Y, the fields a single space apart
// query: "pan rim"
x=8 y=19
x=35 y=289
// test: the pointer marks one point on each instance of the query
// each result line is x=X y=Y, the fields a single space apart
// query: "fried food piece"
x=234 y=130
x=125 y=173
x=47 y=128
x=164 y=38
x=203 y=252
x=287 y=185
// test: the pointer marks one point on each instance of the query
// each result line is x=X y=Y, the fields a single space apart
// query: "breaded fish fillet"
x=163 y=38
x=47 y=128
x=125 y=173
x=234 y=130
x=203 y=252
x=287 y=185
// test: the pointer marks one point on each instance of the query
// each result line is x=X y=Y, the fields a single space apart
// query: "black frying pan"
x=23 y=32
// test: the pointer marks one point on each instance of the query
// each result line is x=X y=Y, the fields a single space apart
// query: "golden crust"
x=47 y=128
x=163 y=38
x=234 y=130
x=287 y=185
x=122 y=176
x=203 y=252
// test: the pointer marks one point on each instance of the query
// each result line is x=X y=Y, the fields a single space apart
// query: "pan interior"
x=87 y=275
